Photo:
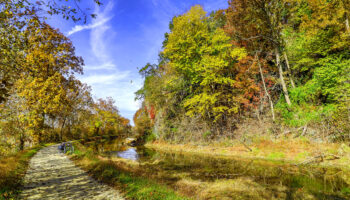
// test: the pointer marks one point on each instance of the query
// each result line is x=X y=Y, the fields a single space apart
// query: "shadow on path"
x=51 y=175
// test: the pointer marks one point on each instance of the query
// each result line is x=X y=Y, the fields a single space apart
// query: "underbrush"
x=12 y=171
x=132 y=186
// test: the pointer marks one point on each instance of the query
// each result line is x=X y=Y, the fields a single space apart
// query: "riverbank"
x=130 y=184
x=12 y=171
x=209 y=176
x=292 y=151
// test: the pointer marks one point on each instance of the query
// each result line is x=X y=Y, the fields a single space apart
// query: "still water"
x=318 y=182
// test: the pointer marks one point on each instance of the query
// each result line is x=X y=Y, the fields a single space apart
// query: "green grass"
x=276 y=155
x=12 y=171
x=132 y=186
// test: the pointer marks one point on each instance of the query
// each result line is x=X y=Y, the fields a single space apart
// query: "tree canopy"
x=284 y=60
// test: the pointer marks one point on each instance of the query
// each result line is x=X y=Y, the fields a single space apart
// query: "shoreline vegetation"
x=130 y=185
x=158 y=182
x=297 y=151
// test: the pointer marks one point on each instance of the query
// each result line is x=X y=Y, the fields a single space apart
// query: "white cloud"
x=79 y=28
x=98 y=44
x=100 y=20
x=103 y=66
x=98 y=35
x=104 y=79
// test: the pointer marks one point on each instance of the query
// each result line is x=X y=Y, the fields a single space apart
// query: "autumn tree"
x=15 y=15
x=75 y=110
x=259 y=23
x=106 y=118
x=11 y=127
x=201 y=74
x=143 y=124
x=50 y=65
x=40 y=97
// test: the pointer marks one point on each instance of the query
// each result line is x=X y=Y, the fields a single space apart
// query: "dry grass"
x=189 y=187
x=240 y=188
x=12 y=171
x=290 y=150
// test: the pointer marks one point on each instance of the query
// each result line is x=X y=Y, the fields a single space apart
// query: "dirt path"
x=51 y=175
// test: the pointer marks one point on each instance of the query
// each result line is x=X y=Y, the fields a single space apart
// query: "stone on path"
x=51 y=175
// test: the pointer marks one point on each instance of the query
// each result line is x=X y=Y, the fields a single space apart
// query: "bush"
x=151 y=137
x=305 y=109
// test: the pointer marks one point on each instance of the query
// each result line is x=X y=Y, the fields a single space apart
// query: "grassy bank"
x=131 y=185
x=295 y=151
x=12 y=171
x=211 y=176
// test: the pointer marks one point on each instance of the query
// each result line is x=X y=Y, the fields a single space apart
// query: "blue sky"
x=125 y=36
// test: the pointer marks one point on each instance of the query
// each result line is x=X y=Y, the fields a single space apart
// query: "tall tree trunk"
x=61 y=133
x=41 y=128
x=69 y=127
x=289 y=70
x=97 y=129
x=261 y=108
x=21 y=142
x=258 y=114
x=347 y=22
x=40 y=137
x=265 y=89
x=284 y=87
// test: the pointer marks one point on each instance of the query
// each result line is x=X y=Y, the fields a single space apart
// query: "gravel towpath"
x=51 y=175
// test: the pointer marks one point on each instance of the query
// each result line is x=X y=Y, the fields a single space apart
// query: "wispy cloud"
x=101 y=19
x=98 y=36
x=105 y=79
x=103 y=66
x=79 y=28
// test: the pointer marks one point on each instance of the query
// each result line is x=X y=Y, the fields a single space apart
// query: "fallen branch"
x=320 y=158
x=290 y=131
x=304 y=130
x=246 y=146
x=302 y=133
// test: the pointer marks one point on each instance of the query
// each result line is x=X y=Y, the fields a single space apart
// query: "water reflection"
x=321 y=183
x=130 y=154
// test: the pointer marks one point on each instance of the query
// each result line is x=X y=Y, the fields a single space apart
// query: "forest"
x=282 y=64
